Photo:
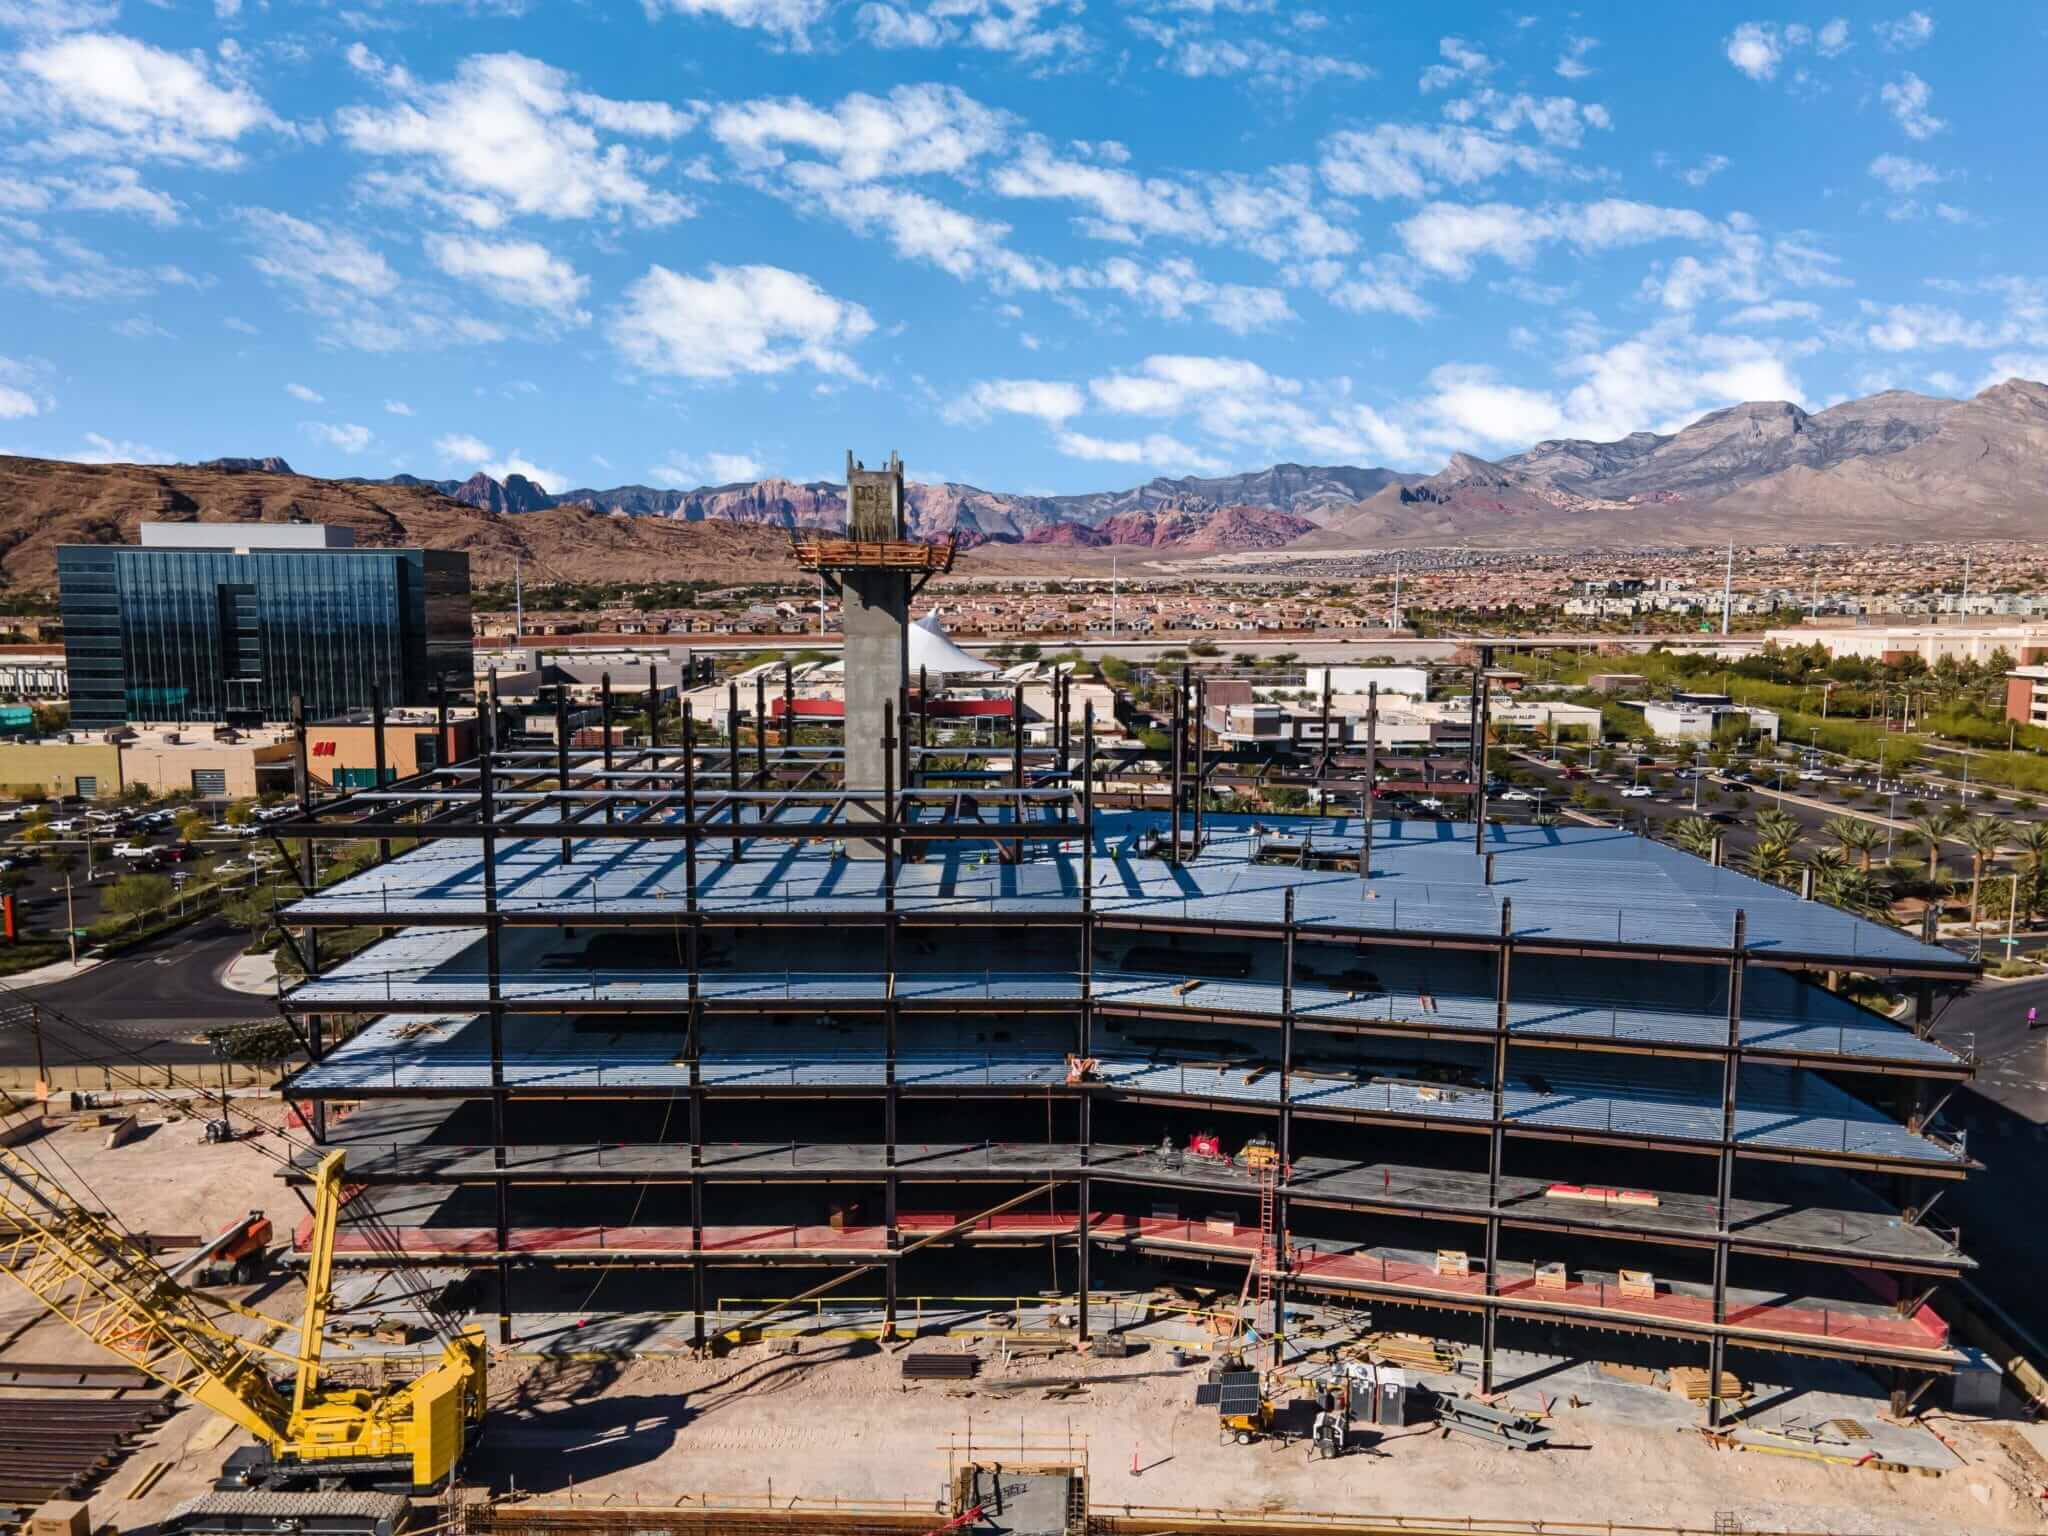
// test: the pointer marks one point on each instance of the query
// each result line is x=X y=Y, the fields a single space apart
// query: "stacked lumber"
x=1414 y=1351
x=1691 y=1382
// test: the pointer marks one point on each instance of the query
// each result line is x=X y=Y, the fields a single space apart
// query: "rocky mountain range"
x=1158 y=514
x=1894 y=466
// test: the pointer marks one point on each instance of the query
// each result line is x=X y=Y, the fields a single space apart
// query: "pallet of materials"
x=1691 y=1382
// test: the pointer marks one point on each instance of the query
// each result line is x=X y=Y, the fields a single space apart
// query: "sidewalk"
x=43 y=975
x=253 y=974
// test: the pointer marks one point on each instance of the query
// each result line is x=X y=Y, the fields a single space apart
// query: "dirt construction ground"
x=818 y=1417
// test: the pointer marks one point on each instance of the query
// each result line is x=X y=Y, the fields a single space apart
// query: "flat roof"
x=1567 y=885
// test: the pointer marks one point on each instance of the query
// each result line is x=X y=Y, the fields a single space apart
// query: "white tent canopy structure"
x=931 y=648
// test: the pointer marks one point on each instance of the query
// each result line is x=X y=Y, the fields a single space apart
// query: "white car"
x=1636 y=792
x=1430 y=803
x=1517 y=797
x=1812 y=776
x=131 y=850
x=68 y=824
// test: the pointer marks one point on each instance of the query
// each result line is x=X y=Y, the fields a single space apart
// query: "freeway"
x=153 y=1003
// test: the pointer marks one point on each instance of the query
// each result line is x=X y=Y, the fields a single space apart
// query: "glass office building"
x=227 y=622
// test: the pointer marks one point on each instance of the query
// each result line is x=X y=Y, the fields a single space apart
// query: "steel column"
x=1724 y=1182
x=377 y=759
x=1372 y=761
x=1496 y=1142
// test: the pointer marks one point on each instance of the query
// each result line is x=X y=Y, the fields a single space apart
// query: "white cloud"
x=508 y=136
x=1191 y=49
x=17 y=403
x=1411 y=161
x=1833 y=38
x=1756 y=49
x=687 y=472
x=115 y=189
x=1907 y=99
x=1657 y=379
x=1048 y=400
x=1902 y=175
x=314 y=257
x=1775 y=310
x=347 y=436
x=1155 y=448
x=787 y=19
x=1708 y=167
x=303 y=392
x=736 y=320
x=105 y=96
x=521 y=272
x=106 y=450
x=39 y=17
x=1556 y=120
x=1918 y=327
x=1175 y=288
x=398 y=408
x=1571 y=64
x=1907 y=33
x=1015 y=27
x=1447 y=238
x=512 y=464
x=461 y=448
x=915 y=130
x=1461 y=61
x=2015 y=365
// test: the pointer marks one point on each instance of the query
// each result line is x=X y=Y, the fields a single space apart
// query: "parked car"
x=1635 y=792
x=64 y=825
x=1576 y=773
x=1812 y=776
x=13 y=812
x=1517 y=797
x=177 y=853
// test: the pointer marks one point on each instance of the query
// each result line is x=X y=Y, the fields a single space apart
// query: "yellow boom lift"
x=406 y=1437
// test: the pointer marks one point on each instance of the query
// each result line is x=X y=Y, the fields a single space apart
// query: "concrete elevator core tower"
x=876 y=569
x=876 y=603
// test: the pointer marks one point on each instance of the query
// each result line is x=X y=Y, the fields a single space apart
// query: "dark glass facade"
x=169 y=634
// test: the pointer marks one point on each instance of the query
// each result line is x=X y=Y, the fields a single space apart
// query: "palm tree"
x=1770 y=861
x=1983 y=836
x=1852 y=888
x=1861 y=838
x=1932 y=827
x=2031 y=839
x=1696 y=835
x=1774 y=826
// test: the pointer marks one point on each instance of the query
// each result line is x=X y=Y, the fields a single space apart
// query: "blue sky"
x=1036 y=245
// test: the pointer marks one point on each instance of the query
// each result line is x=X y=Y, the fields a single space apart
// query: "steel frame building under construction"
x=704 y=1005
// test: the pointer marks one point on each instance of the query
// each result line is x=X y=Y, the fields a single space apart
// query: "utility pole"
x=1112 y=597
x=1962 y=608
x=70 y=920
x=1728 y=589
x=518 y=602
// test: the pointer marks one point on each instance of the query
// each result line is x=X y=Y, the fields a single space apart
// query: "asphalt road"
x=153 y=1003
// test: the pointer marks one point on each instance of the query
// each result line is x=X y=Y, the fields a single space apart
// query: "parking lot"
x=91 y=849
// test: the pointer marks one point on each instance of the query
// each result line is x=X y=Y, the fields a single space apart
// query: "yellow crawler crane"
x=403 y=1438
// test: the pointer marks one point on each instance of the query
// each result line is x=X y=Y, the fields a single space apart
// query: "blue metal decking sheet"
x=435 y=968
x=1778 y=1107
x=1426 y=880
